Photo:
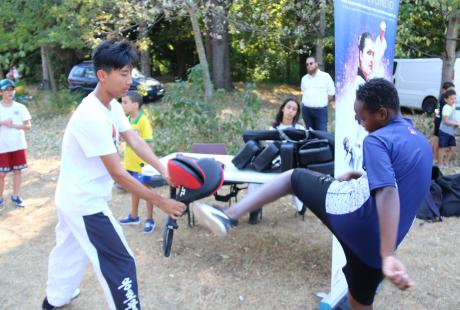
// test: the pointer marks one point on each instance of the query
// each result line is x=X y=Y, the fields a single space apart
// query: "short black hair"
x=110 y=54
x=447 y=85
x=377 y=93
x=449 y=93
x=135 y=97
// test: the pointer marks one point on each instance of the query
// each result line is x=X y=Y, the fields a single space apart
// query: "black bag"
x=324 y=168
x=263 y=161
x=451 y=195
x=315 y=151
x=430 y=208
x=245 y=155
x=288 y=156
x=274 y=135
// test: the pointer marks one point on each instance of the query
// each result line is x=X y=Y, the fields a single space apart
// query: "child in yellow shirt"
x=132 y=104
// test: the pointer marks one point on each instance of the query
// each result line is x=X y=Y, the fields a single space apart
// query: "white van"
x=418 y=81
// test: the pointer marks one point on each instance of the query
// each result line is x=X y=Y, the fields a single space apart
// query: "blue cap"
x=5 y=83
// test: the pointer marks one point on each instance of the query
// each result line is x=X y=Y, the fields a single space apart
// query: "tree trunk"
x=208 y=35
x=45 y=74
x=50 y=71
x=448 y=59
x=181 y=62
x=190 y=6
x=220 y=46
x=227 y=68
x=322 y=29
x=144 y=51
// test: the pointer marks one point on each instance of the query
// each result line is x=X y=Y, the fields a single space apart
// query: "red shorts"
x=15 y=160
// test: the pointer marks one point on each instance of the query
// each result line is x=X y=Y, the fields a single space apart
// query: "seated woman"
x=287 y=117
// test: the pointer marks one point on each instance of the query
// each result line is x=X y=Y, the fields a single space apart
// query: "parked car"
x=418 y=82
x=83 y=78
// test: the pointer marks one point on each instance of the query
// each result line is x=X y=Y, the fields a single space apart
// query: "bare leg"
x=356 y=305
x=441 y=156
x=271 y=191
x=149 y=207
x=449 y=153
x=2 y=183
x=16 y=182
x=134 y=206
x=435 y=148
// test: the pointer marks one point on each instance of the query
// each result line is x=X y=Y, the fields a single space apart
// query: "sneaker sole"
x=75 y=294
x=129 y=223
x=206 y=218
x=151 y=231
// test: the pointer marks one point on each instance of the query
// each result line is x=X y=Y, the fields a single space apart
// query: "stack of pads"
x=282 y=150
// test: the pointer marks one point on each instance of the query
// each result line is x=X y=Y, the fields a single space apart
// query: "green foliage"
x=47 y=103
x=185 y=118
x=422 y=27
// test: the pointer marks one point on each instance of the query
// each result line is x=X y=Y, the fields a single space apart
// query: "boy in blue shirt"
x=369 y=214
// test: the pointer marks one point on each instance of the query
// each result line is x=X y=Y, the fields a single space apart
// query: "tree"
x=449 y=55
x=191 y=8
x=220 y=46
x=429 y=29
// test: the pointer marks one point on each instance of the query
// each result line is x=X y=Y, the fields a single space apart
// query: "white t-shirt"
x=282 y=126
x=84 y=183
x=12 y=139
x=316 y=89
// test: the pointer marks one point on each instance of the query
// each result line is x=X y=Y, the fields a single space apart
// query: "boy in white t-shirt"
x=87 y=230
x=14 y=120
x=447 y=129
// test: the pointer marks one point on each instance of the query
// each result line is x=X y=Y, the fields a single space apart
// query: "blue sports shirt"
x=396 y=155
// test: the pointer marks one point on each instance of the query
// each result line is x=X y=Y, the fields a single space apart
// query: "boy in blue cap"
x=14 y=120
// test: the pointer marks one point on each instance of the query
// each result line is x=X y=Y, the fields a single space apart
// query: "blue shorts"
x=144 y=179
x=446 y=140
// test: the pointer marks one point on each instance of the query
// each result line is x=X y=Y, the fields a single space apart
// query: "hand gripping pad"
x=186 y=172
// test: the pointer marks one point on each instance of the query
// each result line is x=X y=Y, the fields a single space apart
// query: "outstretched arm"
x=144 y=151
x=387 y=200
x=171 y=207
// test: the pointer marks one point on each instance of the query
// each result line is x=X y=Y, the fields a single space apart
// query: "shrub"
x=185 y=118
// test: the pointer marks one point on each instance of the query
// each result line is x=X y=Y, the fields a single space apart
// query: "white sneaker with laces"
x=214 y=219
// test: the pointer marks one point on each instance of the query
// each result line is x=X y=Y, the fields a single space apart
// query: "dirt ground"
x=277 y=264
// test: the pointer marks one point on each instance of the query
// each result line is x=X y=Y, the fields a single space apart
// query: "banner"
x=365 y=36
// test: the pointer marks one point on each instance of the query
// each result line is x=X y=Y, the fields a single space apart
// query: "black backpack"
x=430 y=209
x=431 y=205
x=451 y=194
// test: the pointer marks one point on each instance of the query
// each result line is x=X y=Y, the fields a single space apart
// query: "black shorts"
x=446 y=140
x=311 y=188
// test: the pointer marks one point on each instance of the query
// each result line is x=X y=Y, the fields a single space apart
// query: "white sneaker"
x=213 y=218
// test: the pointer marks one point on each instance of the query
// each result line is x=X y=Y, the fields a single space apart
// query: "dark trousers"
x=315 y=118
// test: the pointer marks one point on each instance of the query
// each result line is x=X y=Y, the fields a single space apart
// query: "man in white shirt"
x=317 y=90
x=87 y=230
